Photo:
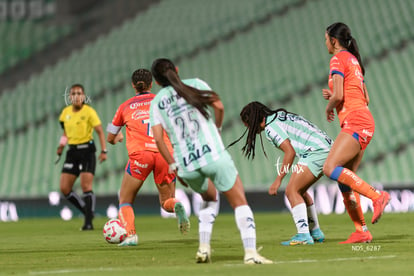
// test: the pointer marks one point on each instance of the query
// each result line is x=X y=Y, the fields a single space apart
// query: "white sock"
x=206 y=219
x=247 y=227
x=312 y=217
x=300 y=217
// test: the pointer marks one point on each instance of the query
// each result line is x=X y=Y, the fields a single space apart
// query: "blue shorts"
x=222 y=172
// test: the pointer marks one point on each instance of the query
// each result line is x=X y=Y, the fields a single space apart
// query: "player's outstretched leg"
x=183 y=221
x=173 y=205
x=380 y=199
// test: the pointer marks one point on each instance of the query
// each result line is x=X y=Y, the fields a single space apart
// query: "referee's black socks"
x=90 y=200
x=75 y=199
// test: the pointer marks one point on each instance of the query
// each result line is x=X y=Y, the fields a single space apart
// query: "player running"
x=78 y=121
x=181 y=109
x=144 y=157
x=349 y=96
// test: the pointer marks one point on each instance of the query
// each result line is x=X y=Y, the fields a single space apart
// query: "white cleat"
x=130 y=241
x=252 y=257
x=203 y=254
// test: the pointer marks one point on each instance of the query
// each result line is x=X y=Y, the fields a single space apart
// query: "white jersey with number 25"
x=196 y=140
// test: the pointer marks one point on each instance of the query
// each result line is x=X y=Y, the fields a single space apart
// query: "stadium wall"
x=328 y=200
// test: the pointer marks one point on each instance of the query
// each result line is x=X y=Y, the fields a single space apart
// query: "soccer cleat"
x=317 y=235
x=203 y=254
x=183 y=221
x=87 y=227
x=298 y=239
x=359 y=237
x=252 y=257
x=130 y=241
x=379 y=206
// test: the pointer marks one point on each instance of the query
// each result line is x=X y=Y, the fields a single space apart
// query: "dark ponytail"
x=165 y=74
x=252 y=116
x=342 y=33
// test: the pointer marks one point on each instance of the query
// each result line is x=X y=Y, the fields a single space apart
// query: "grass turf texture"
x=56 y=247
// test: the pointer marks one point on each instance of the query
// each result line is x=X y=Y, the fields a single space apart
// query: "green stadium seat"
x=271 y=61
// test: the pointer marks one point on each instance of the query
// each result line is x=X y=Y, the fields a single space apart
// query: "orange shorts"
x=360 y=124
x=142 y=163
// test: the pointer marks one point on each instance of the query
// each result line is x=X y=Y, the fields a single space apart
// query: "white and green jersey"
x=195 y=140
x=304 y=136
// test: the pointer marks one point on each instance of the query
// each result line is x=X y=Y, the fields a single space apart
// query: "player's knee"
x=328 y=169
x=65 y=189
x=290 y=191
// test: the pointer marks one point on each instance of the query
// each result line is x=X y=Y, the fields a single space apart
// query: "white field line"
x=328 y=260
x=63 y=271
x=336 y=259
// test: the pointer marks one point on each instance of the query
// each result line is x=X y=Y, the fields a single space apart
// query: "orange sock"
x=169 y=204
x=127 y=217
x=349 y=178
x=353 y=207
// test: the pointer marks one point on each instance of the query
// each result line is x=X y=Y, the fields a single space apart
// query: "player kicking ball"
x=144 y=157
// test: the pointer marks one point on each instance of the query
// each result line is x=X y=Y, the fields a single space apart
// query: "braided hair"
x=165 y=74
x=252 y=115
x=141 y=80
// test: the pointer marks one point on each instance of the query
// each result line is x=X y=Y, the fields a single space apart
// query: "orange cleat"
x=379 y=206
x=359 y=237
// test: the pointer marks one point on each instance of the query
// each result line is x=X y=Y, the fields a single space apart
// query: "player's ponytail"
x=353 y=49
x=165 y=74
x=252 y=115
x=342 y=33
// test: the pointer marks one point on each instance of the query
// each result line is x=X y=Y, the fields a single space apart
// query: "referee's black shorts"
x=80 y=158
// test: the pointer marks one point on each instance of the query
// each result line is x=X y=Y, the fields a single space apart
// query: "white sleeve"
x=111 y=128
x=202 y=85
x=155 y=116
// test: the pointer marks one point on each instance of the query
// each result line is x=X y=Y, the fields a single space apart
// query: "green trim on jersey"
x=304 y=136
x=195 y=140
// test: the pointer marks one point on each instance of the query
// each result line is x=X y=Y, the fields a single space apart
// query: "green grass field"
x=56 y=247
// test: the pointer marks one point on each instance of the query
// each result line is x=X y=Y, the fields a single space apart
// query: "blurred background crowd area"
x=272 y=51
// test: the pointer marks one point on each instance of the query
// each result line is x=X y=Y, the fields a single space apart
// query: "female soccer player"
x=78 y=121
x=144 y=157
x=181 y=109
x=294 y=135
x=349 y=96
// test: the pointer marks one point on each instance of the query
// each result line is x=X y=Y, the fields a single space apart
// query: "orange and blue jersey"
x=346 y=65
x=134 y=114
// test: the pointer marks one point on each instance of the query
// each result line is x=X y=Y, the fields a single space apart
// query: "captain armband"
x=111 y=128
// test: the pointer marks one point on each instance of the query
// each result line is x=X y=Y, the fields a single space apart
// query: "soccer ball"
x=114 y=231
